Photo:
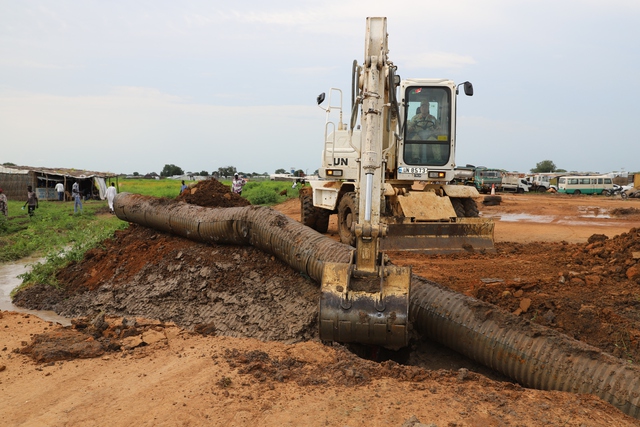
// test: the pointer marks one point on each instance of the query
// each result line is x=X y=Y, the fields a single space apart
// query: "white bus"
x=581 y=184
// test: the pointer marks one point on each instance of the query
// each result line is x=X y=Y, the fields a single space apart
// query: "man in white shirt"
x=111 y=195
x=60 y=190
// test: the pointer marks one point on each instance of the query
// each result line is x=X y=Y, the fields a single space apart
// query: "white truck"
x=281 y=177
x=540 y=182
x=514 y=183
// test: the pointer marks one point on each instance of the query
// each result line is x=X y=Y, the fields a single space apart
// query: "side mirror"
x=320 y=98
x=468 y=89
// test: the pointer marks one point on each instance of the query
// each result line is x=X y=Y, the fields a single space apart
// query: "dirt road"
x=242 y=367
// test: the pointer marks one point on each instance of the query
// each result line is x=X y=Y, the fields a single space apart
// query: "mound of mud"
x=211 y=193
x=141 y=272
x=625 y=211
x=87 y=338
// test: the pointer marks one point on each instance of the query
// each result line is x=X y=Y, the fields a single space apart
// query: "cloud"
x=445 y=60
x=143 y=129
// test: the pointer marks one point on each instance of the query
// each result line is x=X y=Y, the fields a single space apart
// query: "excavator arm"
x=367 y=301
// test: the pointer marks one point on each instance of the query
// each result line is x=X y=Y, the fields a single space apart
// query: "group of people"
x=32 y=202
x=32 y=198
x=75 y=195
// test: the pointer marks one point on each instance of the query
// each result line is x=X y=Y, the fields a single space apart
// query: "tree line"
x=173 y=170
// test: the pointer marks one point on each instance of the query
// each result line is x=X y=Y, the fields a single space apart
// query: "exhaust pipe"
x=528 y=353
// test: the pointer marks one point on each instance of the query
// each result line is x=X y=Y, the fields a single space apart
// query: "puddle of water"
x=586 y=223
x=516 y=217
x=593 y=212
x=9 y=280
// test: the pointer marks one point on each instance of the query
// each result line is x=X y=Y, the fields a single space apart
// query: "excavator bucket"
x=457 y=235
x=431 y=225
x=365 y=309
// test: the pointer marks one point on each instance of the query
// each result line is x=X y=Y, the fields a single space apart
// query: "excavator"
x=387 y=175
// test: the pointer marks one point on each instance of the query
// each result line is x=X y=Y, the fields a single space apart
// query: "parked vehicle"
x=485 y=178
x=542 y=182
x=621 y=190
x=514 y=183
x=581 y=184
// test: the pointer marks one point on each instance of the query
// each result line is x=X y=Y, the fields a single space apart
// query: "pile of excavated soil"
x=212 y=193
x=588 y=291
x=142 y=272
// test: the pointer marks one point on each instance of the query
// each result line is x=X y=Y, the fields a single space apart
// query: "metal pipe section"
x=534 y=356
x=528 y=353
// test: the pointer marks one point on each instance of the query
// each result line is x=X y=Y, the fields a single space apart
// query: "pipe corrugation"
x=528 y=353
x=302 y=248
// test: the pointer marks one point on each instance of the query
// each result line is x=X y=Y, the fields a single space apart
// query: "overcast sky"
x=130 y=86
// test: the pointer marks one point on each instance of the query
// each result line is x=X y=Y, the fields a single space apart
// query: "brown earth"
x=234 y=340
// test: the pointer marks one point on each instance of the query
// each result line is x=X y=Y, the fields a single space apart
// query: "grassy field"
x=55 y=233
x=262 y=192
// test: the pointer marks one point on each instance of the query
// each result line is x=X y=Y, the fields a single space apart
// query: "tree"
x=544 y=166
x=204 y=173
x=136 y=174
x=227 y=171
x=171 y=170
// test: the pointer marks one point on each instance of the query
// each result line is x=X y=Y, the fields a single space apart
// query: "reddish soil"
x=234 y=339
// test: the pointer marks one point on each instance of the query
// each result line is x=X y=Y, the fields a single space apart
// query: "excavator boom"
x=366 y=301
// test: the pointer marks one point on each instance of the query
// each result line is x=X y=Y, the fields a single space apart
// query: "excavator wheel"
x=458 y=206
x=322 y=220
x=311 y=216
x=347 y=217
x=307 y=210
x=470 y=208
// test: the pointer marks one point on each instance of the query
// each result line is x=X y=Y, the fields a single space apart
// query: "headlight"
x=334 y=172
x=437 y=175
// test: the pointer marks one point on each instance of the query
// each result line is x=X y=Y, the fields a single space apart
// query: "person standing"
x=75 y=193
x=60 y=190
x=32 y=200
x=4 y=208
x=237 y=184
x=183 y=187
x=111 y=196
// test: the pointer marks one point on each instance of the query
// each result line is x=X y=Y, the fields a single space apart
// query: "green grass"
x=267 y=193
x=55 y=233
x=257 y=192
x=151 y=187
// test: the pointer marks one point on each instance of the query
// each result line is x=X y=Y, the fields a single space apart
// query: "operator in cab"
x=423 y=125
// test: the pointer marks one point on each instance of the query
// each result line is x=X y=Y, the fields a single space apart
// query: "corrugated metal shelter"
x=15 y=179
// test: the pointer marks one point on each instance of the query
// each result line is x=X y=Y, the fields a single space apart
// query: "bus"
x=581 y=184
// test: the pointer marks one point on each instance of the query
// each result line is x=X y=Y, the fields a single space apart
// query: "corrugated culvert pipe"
x=528 y=353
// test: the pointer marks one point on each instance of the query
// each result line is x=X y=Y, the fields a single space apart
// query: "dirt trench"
x=588 y=291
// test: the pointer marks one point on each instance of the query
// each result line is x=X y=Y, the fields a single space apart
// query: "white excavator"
x=387 y=176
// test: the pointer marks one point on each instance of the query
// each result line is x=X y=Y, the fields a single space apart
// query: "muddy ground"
x=233 y=340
